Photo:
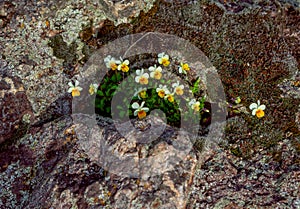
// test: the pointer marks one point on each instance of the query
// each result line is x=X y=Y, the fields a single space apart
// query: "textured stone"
x=14 y=105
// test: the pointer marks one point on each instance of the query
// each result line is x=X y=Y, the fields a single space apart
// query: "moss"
x=64 y=51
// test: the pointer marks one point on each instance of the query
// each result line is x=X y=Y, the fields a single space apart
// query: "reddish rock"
x=14 y=105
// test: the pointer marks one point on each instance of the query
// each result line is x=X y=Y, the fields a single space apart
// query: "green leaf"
x=100 y=93
x=195 y=88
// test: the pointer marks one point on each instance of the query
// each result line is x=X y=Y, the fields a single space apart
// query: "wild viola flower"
x=257 y=109
x=141 y=77
x=162 y=91
x=170 y=97
x=141 y=93
x=195 y=105
x=111 y=62
x=183 y=68
x=140 y=110
x=93 y=88
x=178 y=89
x=163 y=59
x=155 y=72
x=74 y=89
x=124 y=66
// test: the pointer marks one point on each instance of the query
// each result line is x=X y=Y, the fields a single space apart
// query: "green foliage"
x=115 y=82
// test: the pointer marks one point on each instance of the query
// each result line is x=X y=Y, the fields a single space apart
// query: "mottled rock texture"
x=254 y=45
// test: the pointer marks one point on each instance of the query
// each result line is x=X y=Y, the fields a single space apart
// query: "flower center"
x=75 y=92
x=179 y=91
x=124 y=68
x=157 y=75
x=260 y=113
x=170 y=98
x=165 y=62
x=161 y=93
x=143 y=80
x=141 y=114
x=113 y=66
x=186 y=67
x=142 y=94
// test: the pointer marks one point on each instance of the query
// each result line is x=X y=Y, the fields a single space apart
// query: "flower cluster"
x=166 y=90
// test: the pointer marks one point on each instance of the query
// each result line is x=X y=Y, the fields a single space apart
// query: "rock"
x=16 y=110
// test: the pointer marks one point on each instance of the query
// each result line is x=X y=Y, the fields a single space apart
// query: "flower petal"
x=254 y=111
x=262 y=107
x=135 y=105
x=253 y=106
x=70 y=84
x=76 y=83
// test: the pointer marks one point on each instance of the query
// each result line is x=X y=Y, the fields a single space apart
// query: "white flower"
x=141 y=93
x=257 y=109
x=111 y=62
x=140 y=110
x=141 y=77
x=163 y=59
x=178 y=89
x=74 y=89
x=162 y=90
x=93 y=88
x=183 y=68
x=195 y=105
x=155 y=72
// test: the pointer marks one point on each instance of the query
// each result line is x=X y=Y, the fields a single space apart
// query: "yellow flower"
x=163 y=59
x=170 y=97
x=124 y=66
x=257 y=109
x=178 y=89
x=141 y=77
x=74 y=89
x=155 y=72
x=195 y=105
x=183 y=68
x=162 y=91
x=140 y=110
x=111 y=62
x=141 y=93
x=93 y=88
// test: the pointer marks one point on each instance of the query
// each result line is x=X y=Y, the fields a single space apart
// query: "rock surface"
x=253 y=44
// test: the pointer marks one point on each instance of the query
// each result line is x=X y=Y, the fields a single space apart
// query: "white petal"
x=135 y=105
x=138 y=72
x=79 y=88
x=161 y=54
x=159 y=69
x=181 y=86
x=258 y=102
x=76 y=83
x=253 y=106
x=126 y=62
x=146 y=109
x=175 y=85
x=70 y=84
x=135 y=112
x=262 y=107
x=151 y=68
x=70 y=90
x=152 y=74
x=146 y=75
x=142 y=105
x=254 y=111
x=137 y=79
